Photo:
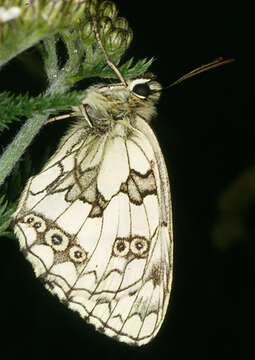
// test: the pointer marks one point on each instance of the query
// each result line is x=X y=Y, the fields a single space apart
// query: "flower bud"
x=121 y=23
x=114 y=41
x=104 y=26
x=76 y=10
x=107 y=8
x=9 y=3
x=51 y=13
x=31 y=13
x=3 y=32
x=88 y=32
x=91 y=8
x=128 y=37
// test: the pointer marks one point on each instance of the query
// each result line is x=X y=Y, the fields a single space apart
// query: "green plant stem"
x=29 y=130
x=19 y=144
x=9 y=51
x=51 y=59
x=32 y=126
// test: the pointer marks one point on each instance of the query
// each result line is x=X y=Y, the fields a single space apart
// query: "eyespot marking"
x=36 y=221
x=121 y=247
x=77 y=254
x=139 y=246
x=56 y=239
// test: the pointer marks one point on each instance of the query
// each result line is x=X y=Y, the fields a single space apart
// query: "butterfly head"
x=109 y=103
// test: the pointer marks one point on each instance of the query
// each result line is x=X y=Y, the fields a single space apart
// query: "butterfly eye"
x=142 y=90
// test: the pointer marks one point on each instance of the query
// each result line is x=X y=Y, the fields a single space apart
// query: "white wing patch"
x=91 y=224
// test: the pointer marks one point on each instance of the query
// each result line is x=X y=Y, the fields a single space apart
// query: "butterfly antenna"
x=213 y=64
x=108 y=61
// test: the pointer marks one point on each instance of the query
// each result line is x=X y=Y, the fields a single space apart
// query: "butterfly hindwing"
x=96 y=225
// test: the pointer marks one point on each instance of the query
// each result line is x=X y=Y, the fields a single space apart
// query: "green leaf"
x=16 y=107
x=140 y=67
x=104 y=71
x=6 y=209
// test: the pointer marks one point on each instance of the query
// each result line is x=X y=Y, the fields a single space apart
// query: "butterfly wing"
x=96 y=225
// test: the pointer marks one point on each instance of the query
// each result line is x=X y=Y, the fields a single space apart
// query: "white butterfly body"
x=96 y=221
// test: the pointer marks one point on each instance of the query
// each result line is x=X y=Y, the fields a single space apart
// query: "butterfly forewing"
x=96 y=221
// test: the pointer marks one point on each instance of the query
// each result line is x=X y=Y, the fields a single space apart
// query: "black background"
x=206 y=133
